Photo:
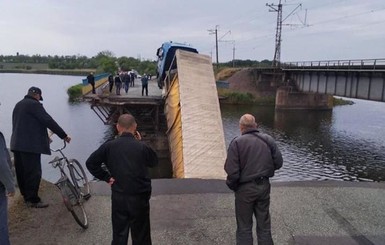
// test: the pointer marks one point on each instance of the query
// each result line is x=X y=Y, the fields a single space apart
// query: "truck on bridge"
x=165 y=55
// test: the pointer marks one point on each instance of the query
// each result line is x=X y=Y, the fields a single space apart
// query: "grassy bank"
x=75 y=92
x=238 y=98
x=340 y=101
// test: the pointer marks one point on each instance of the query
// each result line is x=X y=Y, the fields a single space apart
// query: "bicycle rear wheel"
x=79 y=178
x=73 y=202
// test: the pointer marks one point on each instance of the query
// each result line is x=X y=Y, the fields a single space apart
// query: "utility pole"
x=215 y=31
x=278 y=33
x=277 y=53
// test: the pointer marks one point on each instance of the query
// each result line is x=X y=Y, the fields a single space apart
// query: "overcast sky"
x=335 y=29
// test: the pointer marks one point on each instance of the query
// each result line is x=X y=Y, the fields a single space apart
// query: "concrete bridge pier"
x=287 y=97
x=287 y=94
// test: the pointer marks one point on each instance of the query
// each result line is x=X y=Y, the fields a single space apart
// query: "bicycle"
x=75 y=189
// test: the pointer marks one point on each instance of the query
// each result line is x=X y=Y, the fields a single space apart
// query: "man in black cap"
x=29 y=140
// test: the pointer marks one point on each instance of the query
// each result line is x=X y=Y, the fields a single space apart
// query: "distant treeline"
x=54 y=62
x=247 y=63
x=104 y=61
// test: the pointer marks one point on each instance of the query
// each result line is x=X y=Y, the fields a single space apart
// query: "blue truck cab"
x=165 y=56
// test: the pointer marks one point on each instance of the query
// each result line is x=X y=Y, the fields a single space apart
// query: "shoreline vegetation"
x=75 y=93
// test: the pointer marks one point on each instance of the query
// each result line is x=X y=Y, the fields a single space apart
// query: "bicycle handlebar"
x=60 y=149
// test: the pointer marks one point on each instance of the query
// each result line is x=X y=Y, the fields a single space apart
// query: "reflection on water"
x=347 y=143
x=314 y=146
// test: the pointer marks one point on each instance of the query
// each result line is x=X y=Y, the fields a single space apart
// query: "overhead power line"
x=348 y=16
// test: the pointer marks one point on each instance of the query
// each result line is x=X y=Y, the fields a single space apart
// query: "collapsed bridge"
x=182 y=122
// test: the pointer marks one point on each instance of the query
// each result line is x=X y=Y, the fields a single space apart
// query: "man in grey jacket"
x=252 y=159
x=7 y=189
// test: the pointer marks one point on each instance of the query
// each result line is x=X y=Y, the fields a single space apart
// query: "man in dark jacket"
x=252 y=159
x=29 y=140
x=144 y=84
x=118 y=83
x=110 y=82
x=126 y=81
x=91 y=80
x=126 y=159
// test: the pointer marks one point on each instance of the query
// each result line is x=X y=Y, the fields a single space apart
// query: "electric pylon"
x=277 y=53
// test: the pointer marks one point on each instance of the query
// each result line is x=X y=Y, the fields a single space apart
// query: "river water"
x=347 y=143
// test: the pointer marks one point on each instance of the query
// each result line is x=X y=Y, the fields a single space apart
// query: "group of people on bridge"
x=122 y=79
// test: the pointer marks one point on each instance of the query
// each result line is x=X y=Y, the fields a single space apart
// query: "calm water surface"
x=347 y=143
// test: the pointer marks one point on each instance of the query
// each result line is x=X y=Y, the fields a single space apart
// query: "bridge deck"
x=108 y=106
x=134 y=93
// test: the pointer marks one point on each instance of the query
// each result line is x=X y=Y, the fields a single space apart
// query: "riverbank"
x=49 y=72
x=197 y=211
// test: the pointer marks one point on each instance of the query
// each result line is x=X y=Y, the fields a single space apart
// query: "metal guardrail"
x=357 y=64
x=97 y=77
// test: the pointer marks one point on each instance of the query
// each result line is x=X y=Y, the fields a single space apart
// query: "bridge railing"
x=169 y=78
x=356 y=64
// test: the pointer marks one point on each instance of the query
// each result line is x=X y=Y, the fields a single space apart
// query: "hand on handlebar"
x=67 y=139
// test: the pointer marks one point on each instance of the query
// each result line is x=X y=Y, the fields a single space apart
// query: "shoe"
x=37 y=204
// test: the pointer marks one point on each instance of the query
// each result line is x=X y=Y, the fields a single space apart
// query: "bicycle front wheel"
x=73 y=202
x=79 y=178
x=79 y=214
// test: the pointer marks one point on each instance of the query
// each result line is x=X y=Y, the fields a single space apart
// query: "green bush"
x=340 y=101
x=240 y=98
x=233 y=97
x=75 y=92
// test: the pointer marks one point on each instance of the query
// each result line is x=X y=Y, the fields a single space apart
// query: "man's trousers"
x=28 y=175
x=253 y=198
x=130 y=212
